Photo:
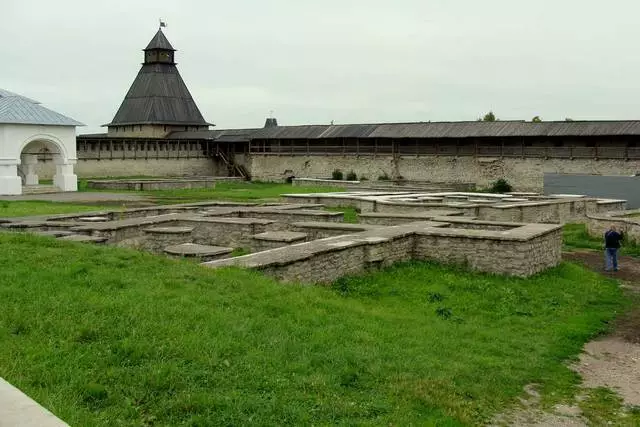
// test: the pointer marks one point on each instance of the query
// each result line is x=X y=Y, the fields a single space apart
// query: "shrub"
x=364 y=178
x=94 y=394
x=351 y=176
x=384 y=177
x=500 y=186
x=337 y=175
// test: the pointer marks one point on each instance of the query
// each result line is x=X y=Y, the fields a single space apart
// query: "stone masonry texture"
x=524 y=174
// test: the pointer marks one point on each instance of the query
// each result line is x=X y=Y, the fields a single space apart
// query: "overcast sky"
x=350 y=61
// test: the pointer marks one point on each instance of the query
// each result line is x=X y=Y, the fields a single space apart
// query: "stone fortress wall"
x=102 y=157
x=525 y=174
x=119 y=158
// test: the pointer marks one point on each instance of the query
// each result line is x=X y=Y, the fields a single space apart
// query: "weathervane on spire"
x=162 y=23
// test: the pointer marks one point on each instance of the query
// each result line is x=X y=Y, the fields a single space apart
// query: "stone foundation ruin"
x=516 y=234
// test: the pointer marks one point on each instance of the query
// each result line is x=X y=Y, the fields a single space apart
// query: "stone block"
x=83 y=238
x=201 y=252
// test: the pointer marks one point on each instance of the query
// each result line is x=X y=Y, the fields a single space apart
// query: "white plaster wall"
x=15 y=137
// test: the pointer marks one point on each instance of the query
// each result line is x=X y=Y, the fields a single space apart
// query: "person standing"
x=612 y=241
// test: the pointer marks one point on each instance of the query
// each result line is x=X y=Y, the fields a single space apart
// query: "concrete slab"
x=83 y=238
x=19 y=410
x=281 y=236
x=55 y=233
x=168 y=230
x=94 y=219
x=195 y=250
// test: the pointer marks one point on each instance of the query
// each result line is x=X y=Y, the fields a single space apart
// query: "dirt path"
x=612 y=362
x=629 y=266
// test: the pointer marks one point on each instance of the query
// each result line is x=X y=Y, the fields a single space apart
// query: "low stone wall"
x=322 y=230
x=597 y=225
x=231 y=232
x=158 y=238
x=554 y=210
x=605 y=206
x=283 y=215
x=157 y=184
x=465 y=223
x=396 y=185
x=317 y=182
x=117 y=231
x=521 y=251
x=277 y=239
x=377 y=218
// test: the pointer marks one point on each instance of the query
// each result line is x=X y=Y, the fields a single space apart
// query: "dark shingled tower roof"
x=159 y=41
x=158 y=95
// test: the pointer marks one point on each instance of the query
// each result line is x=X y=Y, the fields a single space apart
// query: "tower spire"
x=158 y=101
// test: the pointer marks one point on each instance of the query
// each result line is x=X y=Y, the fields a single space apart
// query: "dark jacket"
x=612 y=239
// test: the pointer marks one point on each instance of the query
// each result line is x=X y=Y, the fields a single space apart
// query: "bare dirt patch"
x=612 y=362
x=629 y=267
x=529 y=414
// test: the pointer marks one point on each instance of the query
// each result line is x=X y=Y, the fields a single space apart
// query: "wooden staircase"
x=233 y=168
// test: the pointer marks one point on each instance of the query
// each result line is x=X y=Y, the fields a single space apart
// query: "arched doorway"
x=46 y=158
x=29 y=131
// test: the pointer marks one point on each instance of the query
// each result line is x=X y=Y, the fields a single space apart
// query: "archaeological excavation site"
x=304 y=238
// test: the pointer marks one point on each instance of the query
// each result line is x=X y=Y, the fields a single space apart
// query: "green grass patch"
x=604 y=407
x=231 y=191
x=37 y=207
x=576 y=237
x=108 y=336
x=240 y=252
x=350 y=214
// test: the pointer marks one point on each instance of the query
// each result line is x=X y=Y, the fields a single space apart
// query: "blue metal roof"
x=17 y=109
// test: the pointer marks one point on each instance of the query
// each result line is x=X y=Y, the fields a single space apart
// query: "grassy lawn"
x=37 y=207
x=576 y=237
x=350 y=214
x=231 y=191
x=107 y=336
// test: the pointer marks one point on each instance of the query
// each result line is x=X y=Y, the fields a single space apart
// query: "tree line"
x=491 y=117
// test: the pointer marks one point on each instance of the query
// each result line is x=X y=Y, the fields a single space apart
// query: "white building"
x=29 y=132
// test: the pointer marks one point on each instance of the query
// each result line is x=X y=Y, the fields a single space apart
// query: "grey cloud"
x=348 y=61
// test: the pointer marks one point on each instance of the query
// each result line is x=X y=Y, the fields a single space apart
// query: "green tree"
x=489 y=117
x=536 y=119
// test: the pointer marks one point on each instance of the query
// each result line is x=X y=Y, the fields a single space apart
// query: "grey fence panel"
x=611 y=187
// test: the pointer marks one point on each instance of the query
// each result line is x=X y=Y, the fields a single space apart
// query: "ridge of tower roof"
x=159 y=41
x=158 y=95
